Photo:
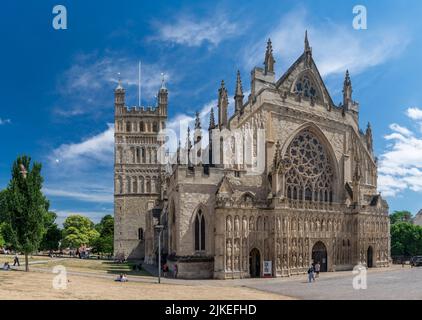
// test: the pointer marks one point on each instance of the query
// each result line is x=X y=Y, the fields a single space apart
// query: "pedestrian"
x=175 y=270
x=16 y=260
x=165 y=270
x=311 y=275
x=317 y=269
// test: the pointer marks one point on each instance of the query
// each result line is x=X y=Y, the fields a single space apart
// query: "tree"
x=106 y=225
x=2 y=240
x=3 y=208
x=52 y=234
x=2 y=217
x=406 y=239
x=104 y=243
x=400 y=216
x=78 y=230
x=26 y=206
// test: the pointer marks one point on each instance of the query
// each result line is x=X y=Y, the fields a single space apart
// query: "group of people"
x=313 y=271
x=122 y=278
x=165 y=269
x=6 y=265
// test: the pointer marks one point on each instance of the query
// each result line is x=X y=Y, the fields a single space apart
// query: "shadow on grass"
x=125 y=268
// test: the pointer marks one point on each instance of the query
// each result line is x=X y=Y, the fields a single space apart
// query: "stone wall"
x=129 y=217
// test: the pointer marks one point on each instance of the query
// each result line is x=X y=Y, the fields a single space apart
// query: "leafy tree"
x=2 y=240
x=400 y=216
x=406 y=239
x=3 y=208
x=52 y=234
x=26 y=207
x=104 y=243
x=106 y=225
x=78 y=230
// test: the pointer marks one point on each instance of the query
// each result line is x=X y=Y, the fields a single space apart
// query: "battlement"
x=136 y=111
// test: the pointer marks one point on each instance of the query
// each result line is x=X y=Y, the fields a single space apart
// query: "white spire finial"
x=119 y=81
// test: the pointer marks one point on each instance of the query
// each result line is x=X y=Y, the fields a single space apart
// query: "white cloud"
x=402 y=130
x=5 y=121
x=83 y=170
x=193 y=32
x=81 y=196
x=414 y=113
x=90 y=81
x=335 y=47
x=98 y=147
x=400 y=166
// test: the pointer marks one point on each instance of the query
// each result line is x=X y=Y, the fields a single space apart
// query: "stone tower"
x=137 y=173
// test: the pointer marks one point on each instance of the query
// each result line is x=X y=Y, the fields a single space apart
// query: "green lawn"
x=79 y=265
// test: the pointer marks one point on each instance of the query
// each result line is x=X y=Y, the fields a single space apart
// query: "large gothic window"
x=310 y=173
x=306 y=87
x=199 y=232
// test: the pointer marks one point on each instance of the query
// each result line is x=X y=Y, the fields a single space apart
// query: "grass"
x=78 y=265
x=19 y=285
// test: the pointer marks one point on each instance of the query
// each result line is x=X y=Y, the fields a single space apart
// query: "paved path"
x=403 y=284
x=388 y=283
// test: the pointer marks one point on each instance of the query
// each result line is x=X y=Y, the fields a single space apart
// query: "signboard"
x=268 y=267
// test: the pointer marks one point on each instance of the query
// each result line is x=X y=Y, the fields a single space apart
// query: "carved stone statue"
x=229 y=225
x=229 y=255
x=245 y=227
x=237 y=226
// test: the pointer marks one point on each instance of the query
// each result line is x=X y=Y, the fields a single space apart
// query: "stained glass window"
x=310 y=174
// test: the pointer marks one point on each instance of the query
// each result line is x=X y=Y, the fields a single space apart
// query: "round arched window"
x=310 y=174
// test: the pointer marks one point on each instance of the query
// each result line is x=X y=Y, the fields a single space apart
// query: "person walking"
x=175 y=270
x=311 y=275
x=16 y=260
x=317 y=269
x=165 y=270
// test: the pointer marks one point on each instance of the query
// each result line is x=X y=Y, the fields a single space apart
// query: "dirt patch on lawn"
x=38 y=285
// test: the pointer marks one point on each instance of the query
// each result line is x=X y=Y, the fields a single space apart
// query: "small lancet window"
x=199 y=231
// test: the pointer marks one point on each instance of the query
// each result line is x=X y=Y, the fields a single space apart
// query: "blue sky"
x=57 y=85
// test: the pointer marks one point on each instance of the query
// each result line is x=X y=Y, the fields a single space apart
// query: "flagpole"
x=139 y=83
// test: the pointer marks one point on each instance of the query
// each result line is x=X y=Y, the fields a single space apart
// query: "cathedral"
x=287 y=180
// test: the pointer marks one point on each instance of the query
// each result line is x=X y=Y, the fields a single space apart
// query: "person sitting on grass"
x=121 y=278
x=6 y=266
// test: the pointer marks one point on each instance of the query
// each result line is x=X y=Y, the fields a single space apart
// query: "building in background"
x=418 y=218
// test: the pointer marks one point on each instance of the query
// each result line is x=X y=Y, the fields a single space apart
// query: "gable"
x=305 y=72
x=225 y=187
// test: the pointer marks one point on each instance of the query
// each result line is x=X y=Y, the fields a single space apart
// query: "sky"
x=57 y=85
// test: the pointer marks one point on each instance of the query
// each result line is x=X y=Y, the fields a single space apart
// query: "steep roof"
x=299 y=67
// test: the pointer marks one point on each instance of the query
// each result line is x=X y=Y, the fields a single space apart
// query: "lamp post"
x=159 y=228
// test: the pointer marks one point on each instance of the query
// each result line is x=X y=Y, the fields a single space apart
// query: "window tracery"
x=306 y=87
x=309 y=174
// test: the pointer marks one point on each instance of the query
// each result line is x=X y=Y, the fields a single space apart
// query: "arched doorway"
x=369 y=257
x=255 y=263
x=319 y=254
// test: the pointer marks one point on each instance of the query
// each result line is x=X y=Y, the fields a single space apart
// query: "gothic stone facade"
x=314 y=199
x=137 y=174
